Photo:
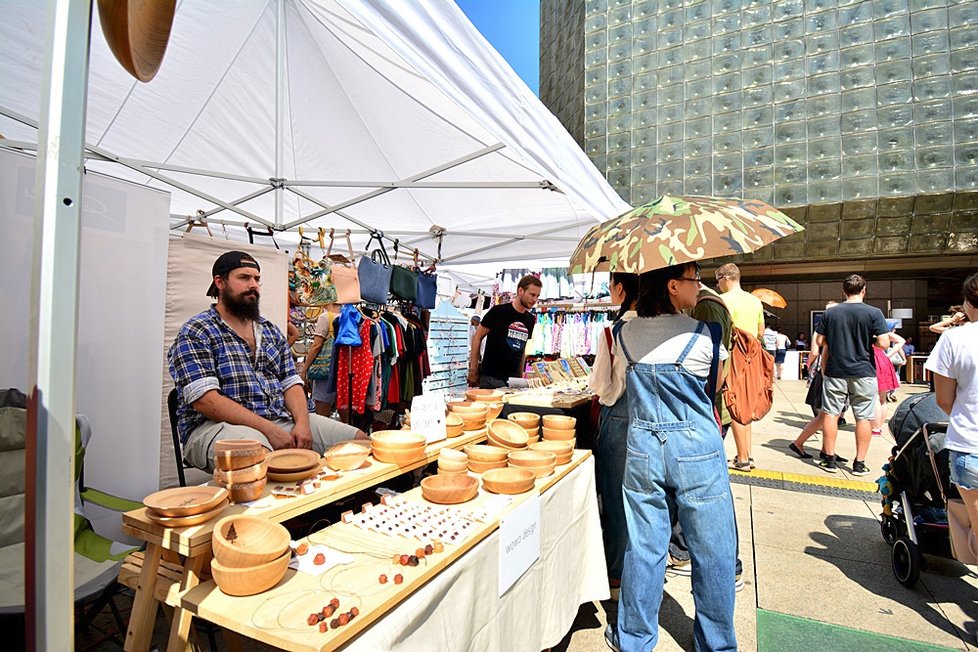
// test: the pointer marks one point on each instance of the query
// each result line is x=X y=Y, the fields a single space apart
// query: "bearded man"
x=235 y=377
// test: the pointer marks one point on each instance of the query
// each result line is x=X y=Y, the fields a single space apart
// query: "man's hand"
x=301 y=436
x=473 y=379
x=277 y=437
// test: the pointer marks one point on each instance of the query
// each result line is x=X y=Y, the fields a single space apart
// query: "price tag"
x=428 y=415
x=519 y=541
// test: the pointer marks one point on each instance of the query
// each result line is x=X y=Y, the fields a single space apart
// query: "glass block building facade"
x=858 y=118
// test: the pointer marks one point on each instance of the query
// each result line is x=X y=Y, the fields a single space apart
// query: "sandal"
x=800 y=452
x=737 y=465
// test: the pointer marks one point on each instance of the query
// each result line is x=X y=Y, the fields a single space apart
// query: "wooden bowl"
x=528 y=420
x=391 y=439
x=558 y=434
x=564 y=450
x=256 y=541
x=530 y=458
x=484 y=453
x=233 y=454
x=464 y=407
x=482 y=467
x=508 y=433
x=292 y=460
x=184 y=501
x=241 y=476
x=538 y=471
x=492 y=410
x=242 y=492
x=449 y=489
x=452 y=455
x=559 y=422
x=453 y=425
x=399 y=456
x=445 y=466
x=473 y=422
x=533 y=434
x=510 y=480
x=251 y=580
x=347 y=455
x=484 y=395
x=453 y=431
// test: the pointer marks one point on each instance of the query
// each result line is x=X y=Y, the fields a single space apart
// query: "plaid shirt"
x=207 y=354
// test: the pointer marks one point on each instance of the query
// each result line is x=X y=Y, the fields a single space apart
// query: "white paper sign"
x=519 y=541
x=428 y=415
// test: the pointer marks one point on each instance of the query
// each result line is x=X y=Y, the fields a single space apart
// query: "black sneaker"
x=611 y=637
x=859 y=468
x=828 y=464
x=838 y=458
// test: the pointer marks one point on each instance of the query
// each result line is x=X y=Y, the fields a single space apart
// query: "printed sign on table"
x=519 y=541
x=428 y=415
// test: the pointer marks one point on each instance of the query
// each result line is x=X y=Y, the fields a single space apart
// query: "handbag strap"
x=380 y=250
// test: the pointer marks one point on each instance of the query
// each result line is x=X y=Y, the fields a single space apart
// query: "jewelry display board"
x=448 y=350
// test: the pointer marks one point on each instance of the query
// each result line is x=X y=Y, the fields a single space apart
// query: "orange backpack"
x=748 y=389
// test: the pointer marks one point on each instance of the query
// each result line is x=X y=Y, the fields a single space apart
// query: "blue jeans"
x=609 y=468
x=964 y=469
x=675 y=458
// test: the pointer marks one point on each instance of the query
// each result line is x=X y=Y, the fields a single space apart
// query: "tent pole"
x=279 y=111
x=49 y=552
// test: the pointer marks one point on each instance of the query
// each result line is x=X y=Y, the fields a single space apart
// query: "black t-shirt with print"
x=850 y=330
x=509 y=331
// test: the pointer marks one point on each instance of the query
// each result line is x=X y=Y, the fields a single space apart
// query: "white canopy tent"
x=390 y=116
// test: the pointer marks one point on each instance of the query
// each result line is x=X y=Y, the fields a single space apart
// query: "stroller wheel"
x=907 y=561
x=889 y=529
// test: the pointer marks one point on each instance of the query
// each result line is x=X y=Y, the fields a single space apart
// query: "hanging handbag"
x=344 y=274
x=427 y=286
x=319 y=369
x=375 y=273
x=404 y=280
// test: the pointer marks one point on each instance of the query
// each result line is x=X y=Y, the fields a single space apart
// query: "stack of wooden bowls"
x=293 y=464
x=398 y=446
x=240 y=467
x=185 y=506
x=348 y=455
x=510 y=480
x=484 y=395
x=507 y=434
x=453 y=425
x=473 y=415
x=482 y=458
x=564 y=450
x=557 y=427
x=530 y=422
x=492 y=409
x=541 y=463
x=452 y=462
x=251 y=554
x=449 y=489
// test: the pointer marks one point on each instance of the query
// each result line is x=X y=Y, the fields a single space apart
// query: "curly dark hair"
x=653 y=294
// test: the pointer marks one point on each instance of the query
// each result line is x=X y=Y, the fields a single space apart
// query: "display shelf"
x=448 y=350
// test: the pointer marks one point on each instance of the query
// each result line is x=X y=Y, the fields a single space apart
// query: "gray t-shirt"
x=661 y=340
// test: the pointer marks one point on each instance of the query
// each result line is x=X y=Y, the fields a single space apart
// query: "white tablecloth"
x=460 y=608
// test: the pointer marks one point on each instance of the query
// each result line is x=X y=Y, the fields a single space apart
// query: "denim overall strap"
x=616 y=333
x=690 y=343
x=716 y=333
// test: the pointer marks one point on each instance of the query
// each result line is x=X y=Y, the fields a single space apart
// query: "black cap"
x=227 y=263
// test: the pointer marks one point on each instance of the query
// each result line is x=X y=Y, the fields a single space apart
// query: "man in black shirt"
x=506 y=329
x=849 y=331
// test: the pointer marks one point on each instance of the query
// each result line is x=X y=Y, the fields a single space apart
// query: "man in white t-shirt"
x=954 y=363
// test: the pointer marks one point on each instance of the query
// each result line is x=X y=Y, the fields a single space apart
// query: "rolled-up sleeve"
x=192 y=365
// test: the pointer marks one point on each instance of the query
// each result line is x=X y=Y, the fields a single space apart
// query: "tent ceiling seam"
x=559 y=227
x=288 y=96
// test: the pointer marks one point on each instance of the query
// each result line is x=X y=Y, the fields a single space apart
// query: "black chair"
x=171 y=405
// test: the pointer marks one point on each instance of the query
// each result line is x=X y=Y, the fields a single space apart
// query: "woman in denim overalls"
x=674 y=457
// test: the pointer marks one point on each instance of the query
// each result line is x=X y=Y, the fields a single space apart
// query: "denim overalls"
x=675 y=455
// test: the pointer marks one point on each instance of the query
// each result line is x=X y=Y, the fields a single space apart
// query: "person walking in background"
x=747 y=314
x=848 y=331
x=769 y=340
x=506 y=329
x=674 y=456
x=607 y=381
x=954 y=366
x=780 y=351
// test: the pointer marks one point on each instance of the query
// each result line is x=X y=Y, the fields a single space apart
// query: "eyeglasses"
x=694 y=280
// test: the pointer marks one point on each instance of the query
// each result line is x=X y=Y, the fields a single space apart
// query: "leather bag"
x=375 y=274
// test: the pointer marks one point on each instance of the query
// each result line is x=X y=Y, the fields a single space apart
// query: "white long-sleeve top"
x=607 y=379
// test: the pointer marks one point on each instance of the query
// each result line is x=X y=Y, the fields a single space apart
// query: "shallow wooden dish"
x=293 y=477
x=482 y=467
x=445 y=466
x=558 y=434
x=391 y=439
x=559 y=422
x=538 y=471
x=187 y=521
x=398 y=456
x=492 y=441
x=473 y=422
x=292 y=460
x=508 y=433
x=492 y=410
x=184 y=501
x=484 y=395
x=256 y=541
x=564 y=450
x=510 y=480
x=465 y=407
x=450 y=454
x=526 y=419
x=233 y=454
x=251 y=580
x=347 y=455
x=449 y=489
x=241 y=476
x=484 y=453
x=528 y=458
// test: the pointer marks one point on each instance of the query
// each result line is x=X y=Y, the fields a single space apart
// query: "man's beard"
x=524 y=303
x=244 y=305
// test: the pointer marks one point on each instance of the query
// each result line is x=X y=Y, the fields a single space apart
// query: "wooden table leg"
x=182 y=619
x=143 y=617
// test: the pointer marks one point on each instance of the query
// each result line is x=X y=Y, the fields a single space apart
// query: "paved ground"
x=818 y=573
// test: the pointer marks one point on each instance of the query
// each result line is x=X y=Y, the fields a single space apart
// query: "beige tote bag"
x=963 y=544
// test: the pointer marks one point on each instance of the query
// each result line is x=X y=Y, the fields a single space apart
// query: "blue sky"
x=513 y=28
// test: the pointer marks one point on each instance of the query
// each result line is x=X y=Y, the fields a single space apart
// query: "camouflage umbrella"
x=674 y=230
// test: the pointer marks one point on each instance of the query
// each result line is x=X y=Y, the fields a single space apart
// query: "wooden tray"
x=184 y=501
x=187 y=521
x=292 y=460
x=294 y=476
